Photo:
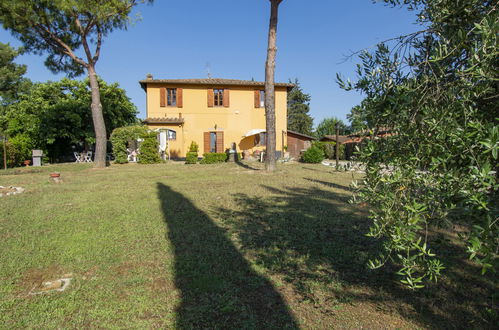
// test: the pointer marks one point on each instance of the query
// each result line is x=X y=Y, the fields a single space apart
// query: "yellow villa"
x=214 y=113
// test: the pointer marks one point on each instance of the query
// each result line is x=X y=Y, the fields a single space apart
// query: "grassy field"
x=213 y=246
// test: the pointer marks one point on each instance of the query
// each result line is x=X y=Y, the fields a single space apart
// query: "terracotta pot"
x=27 y=162
x=55 y=175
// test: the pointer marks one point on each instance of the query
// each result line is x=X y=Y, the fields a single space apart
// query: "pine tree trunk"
x=98 y=120
x=270 y=162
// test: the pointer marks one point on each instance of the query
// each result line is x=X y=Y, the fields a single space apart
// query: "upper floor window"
x=259 y=98
x=218 y=97
x=171 y=97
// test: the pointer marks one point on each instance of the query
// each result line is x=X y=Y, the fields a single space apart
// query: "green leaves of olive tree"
x=437 y=92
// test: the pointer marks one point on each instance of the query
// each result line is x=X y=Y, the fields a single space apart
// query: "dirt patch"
x=6 y=191
x=33 y=278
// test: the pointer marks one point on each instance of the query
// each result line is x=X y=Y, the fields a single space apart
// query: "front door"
x=213 y=142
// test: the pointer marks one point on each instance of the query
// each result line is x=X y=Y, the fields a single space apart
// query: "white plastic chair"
x=88 y=157
x=77 y=156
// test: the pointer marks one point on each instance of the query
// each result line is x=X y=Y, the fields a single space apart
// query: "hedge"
x=214 y=157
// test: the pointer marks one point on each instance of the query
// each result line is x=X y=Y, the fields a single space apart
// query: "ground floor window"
x=213 y=142
x=171 y=135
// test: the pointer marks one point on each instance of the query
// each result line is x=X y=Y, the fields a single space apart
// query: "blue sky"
x=181 y=39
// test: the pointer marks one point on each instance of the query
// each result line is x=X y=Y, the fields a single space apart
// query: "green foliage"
x=54 y=115
x=149 y=149
x=121 y=137
x=191 y=158
x=214 y=157
x=19 y=149
x=194 y=147
x=11 y=154
x=437 y=91
x=298 y=108
x=329 y=149
x=328 y=127
x=314 y=154
x=192 y=155
x=43 y=26
x=11 y=74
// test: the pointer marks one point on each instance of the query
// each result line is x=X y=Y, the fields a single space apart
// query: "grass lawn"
x=213 y=246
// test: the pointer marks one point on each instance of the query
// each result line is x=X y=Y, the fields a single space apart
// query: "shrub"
x=18 y=149
x=11 y=154
x=194 y=147
x=191 y=158
x=342 y=152
x=149 y=149
x=214 y=157
x=120 y=138
x=329 y=149
x=314 y=154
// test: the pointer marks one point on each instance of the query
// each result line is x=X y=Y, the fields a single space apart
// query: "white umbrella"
x=254 y=131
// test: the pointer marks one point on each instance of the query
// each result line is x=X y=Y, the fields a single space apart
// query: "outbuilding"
x=298 y=142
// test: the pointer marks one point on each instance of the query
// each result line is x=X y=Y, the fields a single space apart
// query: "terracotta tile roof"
x=211 y=81
x=341 y=138
x=163 y=120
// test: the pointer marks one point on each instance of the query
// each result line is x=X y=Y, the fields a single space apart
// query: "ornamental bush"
x=194 y=147
x=214 y=157
x=120 y=138
x=314 y=154
x=191 y=158
x=149 y=149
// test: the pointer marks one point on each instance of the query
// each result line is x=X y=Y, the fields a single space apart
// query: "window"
x=218 y=95
x=262 y=99
x=171 y=97
x=213 y=142
x=261 y=139
x=171 y=135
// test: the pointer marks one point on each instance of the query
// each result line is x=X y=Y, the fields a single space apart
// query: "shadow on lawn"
x=218 y=287
x=316 y=242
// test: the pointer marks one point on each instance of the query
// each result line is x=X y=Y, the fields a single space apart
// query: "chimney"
x=149 y=76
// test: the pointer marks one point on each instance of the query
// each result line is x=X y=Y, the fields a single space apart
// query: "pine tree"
x=298 y=107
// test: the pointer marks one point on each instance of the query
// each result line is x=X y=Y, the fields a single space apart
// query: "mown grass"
x=212 y=246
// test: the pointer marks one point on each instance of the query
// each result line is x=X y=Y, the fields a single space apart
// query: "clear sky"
x=182 y=39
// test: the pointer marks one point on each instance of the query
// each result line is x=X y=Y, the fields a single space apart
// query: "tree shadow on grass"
x=218 y=287
x=245 y=165
x=315 y=241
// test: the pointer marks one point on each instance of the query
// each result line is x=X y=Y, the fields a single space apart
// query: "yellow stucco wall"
x=235 y=120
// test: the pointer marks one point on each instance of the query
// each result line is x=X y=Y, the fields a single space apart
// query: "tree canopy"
x=298 y=108
x=327 y=126
x=54 y=116
x=437 y=91
x=67 y=30
x=11 y=74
